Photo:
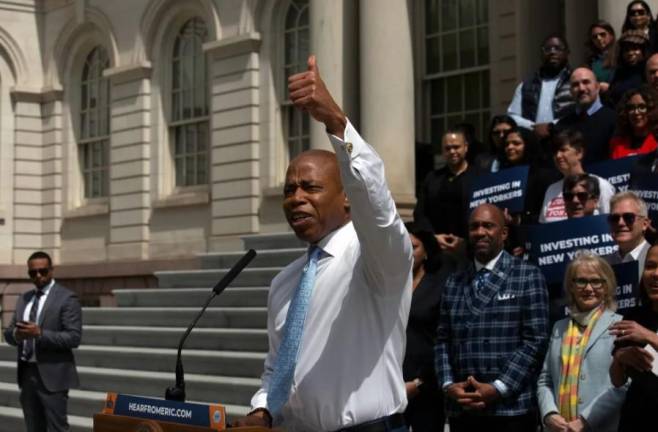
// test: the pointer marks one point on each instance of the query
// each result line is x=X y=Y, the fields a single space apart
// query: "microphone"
x=177 y=392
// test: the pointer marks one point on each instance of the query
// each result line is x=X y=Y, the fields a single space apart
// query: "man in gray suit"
x=628 y=221
x=46 y=327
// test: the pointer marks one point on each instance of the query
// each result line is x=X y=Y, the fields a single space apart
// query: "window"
x=456 y=76
x=296 y=124
x=189 y=107
x=94 y=143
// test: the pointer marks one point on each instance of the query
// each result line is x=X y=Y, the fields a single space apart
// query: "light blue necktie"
x=284 y=367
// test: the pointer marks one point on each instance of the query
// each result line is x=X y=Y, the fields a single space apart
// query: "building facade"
x=141 y=130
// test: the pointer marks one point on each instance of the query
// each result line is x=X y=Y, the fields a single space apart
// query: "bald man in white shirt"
x=347 y=372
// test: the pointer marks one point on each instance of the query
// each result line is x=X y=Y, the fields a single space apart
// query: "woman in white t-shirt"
x=568 y=151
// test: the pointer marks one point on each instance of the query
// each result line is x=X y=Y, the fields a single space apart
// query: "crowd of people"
x=391 y=327
x=500 y=365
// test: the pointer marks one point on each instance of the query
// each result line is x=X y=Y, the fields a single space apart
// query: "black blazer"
x=61 y=331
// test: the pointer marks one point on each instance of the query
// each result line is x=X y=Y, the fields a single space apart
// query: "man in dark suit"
x=492 y=334
x=594 y=120
x=46 y=327
x=444 y=197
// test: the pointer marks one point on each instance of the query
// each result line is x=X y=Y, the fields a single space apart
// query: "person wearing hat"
x=631 y=61
x=431 y=268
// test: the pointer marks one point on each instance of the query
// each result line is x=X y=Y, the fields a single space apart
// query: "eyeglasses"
x=581 y=196
x=639 y=108
x=629 y=218
x=41 y=271
x=599 y=35
x=637 y=12
x=553 y=48
x=595 y=283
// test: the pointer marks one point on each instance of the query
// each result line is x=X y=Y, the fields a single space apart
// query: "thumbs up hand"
x=309 y=93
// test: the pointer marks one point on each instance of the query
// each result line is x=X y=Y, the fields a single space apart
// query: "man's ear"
x=346 y=203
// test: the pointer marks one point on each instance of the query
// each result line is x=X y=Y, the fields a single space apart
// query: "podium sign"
x=212 y=417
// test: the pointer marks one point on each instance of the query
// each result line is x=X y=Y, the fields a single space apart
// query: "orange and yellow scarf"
x=572 y=352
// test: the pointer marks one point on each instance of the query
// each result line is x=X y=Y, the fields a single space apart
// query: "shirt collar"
x=592 y=109
x=490 y=265
x=334 y=243
x=635 y=253
x=47 y=288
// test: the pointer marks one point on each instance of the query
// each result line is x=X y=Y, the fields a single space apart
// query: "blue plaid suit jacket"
x=499 y=332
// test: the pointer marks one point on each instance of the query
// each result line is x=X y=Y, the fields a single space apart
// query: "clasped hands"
x=27 y=330
x=557 y=423
x=472 y=394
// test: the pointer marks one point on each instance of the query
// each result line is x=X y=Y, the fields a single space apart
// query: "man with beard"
x=544 y=98
x=337 y=315
x=492 y=334
x=593 y=119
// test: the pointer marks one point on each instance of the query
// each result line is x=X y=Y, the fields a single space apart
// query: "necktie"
x=284 y=367
x=480 y=278
x=28 y=345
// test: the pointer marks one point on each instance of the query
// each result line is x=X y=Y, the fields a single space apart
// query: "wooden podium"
x=127 y=413
x=119 y=423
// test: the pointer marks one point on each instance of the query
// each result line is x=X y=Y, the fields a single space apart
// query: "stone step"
x=11 y=420
x=84 y=404
x=81 y=403
x=180 y=317
x=250 y=277
x=227 y=363
x=168 y=337
x=206 y=388
x=285 y=240
x=156 y=297
x=264 y=258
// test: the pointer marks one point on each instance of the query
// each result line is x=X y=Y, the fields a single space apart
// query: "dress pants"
x=44 y=411
x=425 y=412
x=469 y=423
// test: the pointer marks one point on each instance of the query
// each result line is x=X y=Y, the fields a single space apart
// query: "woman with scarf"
x=635 y=338
x=574 y=390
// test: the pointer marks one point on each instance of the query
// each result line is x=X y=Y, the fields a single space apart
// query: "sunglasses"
x=581 y=196
x=599 y=35
x=41 y=271
x=595 y=283
x=629 y=218
x=637 y=12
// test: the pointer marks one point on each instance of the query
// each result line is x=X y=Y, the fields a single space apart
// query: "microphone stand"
x=177 y=392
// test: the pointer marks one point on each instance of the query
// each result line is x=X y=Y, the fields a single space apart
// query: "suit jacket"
x=431 y=212
x=599 y=402
x=61 y=329
x=615 y=258
x=499 y=332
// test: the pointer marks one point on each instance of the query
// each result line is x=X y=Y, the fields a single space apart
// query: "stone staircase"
x=132 y=348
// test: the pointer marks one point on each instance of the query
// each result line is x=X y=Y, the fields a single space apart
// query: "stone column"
x=130 y=155
x=333 y=41
x=387 y=92
x=234 y=68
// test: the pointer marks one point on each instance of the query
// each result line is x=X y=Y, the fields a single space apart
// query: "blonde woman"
x=574 y=390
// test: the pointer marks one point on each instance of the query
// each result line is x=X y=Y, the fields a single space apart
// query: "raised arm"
x=386 y=248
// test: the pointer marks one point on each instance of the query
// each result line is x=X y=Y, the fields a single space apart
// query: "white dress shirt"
x=544 y=107
x=28 y=308
x=349 y=367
